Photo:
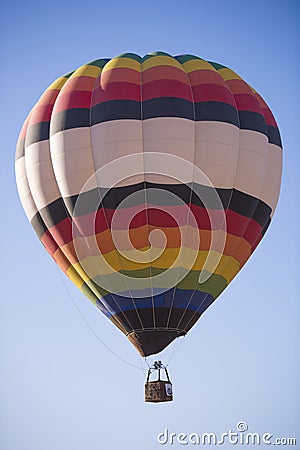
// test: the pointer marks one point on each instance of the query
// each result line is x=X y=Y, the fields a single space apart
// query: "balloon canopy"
x=150 y=181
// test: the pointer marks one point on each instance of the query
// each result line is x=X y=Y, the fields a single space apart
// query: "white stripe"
x=23 y=189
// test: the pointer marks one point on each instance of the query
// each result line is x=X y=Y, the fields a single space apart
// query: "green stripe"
x=214 y=285
x=67 y=75
x=217 y=65
x=153 y=54
x=129 y=55
x=98 y=63
x=184 y=58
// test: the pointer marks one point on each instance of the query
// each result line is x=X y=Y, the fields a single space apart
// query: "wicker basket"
x=159 y=390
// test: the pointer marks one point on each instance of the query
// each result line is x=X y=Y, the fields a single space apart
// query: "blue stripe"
x=184 y=299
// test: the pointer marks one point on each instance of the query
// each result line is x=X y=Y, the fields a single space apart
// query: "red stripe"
x=237 y=224
x=49 y=243
x=62 y=232
x=24 y=128
x=247 y=102
x=166 y=88
x=213 y=92
x=270 y=120
x=41 y=113
x=72 y=99
x=48 y=97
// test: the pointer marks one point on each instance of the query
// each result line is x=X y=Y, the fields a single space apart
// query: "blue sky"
x=60 y=387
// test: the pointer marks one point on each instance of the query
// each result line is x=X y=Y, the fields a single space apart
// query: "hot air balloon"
x=150 y=181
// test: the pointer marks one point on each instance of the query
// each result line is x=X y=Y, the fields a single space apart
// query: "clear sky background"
x=60 y=388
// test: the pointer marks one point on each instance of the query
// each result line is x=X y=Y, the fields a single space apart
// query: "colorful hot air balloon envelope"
x=150 y=181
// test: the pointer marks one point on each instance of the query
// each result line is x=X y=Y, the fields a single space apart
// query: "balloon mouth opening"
x=152 y=341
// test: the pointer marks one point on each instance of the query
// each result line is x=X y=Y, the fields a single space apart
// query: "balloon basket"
x=159 y=390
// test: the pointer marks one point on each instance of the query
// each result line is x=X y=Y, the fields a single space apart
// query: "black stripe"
x=54 y=213
x=20 y=149
x=153 y=108
x=161 y=318
x=115 y=110
x=274 y=135
x=250 y=120
x=237 y=201
x=37 y=132
x=38 y=225
x=168 y=107
x=71 y=118
x=216 y=111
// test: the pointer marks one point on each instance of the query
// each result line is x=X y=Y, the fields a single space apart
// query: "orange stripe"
x=239 y=248
x=82 y=83
x=164 y=73
x=239 y=87
x=119 y=74
x=205 y=76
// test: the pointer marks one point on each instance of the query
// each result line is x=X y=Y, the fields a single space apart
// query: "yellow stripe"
x=74 y=276
x=57 y=84
x=197 y=64
x=228 y=266
x=160 y=61
x=87 y=71
x=228 y=74
x=122 y=63
x=80 y=272
x=79 y=281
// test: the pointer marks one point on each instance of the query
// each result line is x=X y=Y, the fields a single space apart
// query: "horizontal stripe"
x=216 y=111
x=254 y=209
x=71 y=118
x=164 y=107
x=196 y=64
x=239 y=202
x=41 y=113
x=20 y=148
x=164 y=73
x=139 y=239
x=250 y=120
x=237 y=225
x=79 y=83
x=167 y=107
x=122 y=90
x=119 y=75
x=166 y=88
x=88 y=70
x=181 y=300
x=274 y=136
x=204 y=76
x=105 y=266
x=247 y=102
x=115 y=110
x=159 y=107
x=238 y=86
x=37 y=133
x=159 y=60
x=186 y=318
x=123 y=62
x=72 y=99
x=210 y=92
